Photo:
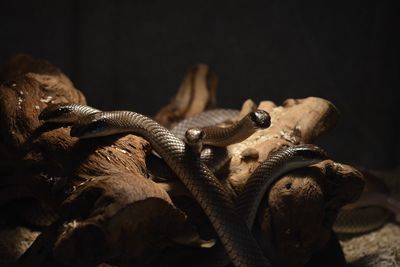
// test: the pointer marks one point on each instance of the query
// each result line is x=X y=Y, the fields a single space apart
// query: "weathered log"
x=14 y=242
x=319 y=191
x=310 y=197
x=295 y=122
x=27 y=85
x=99 y=187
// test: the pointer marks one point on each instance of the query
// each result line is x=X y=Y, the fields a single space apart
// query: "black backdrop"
x=133 y=54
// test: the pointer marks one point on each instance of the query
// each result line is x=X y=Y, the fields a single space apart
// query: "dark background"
x=133 y=55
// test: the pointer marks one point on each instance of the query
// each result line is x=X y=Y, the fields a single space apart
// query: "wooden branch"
x=297 y=121
x=196 y=94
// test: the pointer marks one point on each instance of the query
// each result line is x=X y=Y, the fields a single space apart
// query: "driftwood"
x=107 y=208
x=196 y=93
x=311 y=198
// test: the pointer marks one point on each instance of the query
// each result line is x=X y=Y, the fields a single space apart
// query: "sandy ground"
x=377 y=248
x=381 y=247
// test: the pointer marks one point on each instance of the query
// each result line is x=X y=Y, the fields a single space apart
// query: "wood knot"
x=249 y=154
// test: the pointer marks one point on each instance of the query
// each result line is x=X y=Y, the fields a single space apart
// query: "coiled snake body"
x=269 y=171
x=211 y=141
x=370 y=212
x=204 y=119
x=199 y=180
x=217 y=204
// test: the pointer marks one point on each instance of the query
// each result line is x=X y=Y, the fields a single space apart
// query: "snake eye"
x=260 y=118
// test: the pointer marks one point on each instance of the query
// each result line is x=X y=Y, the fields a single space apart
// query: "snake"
x=223 y=136
x=65 y=113
x=206 y=118
x=194 y=128
x=213 y=198
x=370 y=212
x=109 y=123
x=264 y=176
x=211 y=141
x=269 y=171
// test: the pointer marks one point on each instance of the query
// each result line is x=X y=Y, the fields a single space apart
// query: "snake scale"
x=204 y=119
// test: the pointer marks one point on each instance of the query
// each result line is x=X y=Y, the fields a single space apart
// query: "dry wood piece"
x=310 y=197
x=196 y=94
x=296 y=122
x=22 y=64
x=100 y=187
x=110 y=211
x=247 y=107
x=28 y=86
x=13 y=244
x=25 y=92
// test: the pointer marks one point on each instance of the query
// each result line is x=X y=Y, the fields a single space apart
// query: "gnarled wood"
x=196 y=94
x=96 y=186
x=110 y=211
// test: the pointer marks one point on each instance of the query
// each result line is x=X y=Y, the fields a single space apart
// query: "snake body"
x=215 y=201
x=367 y=214
x=210 y=141
x=200 y=181
x=370 y=212
x=224 y=136
x=266 y=174
x=214 y=157
x=204 y=119
x=269 y=171
x=360 y=220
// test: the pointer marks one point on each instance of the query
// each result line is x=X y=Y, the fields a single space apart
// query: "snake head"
x=307 y=153
x=260 y=119
x=310 y=151
x=90 y=126
x=58 y=113
x=194 y=136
